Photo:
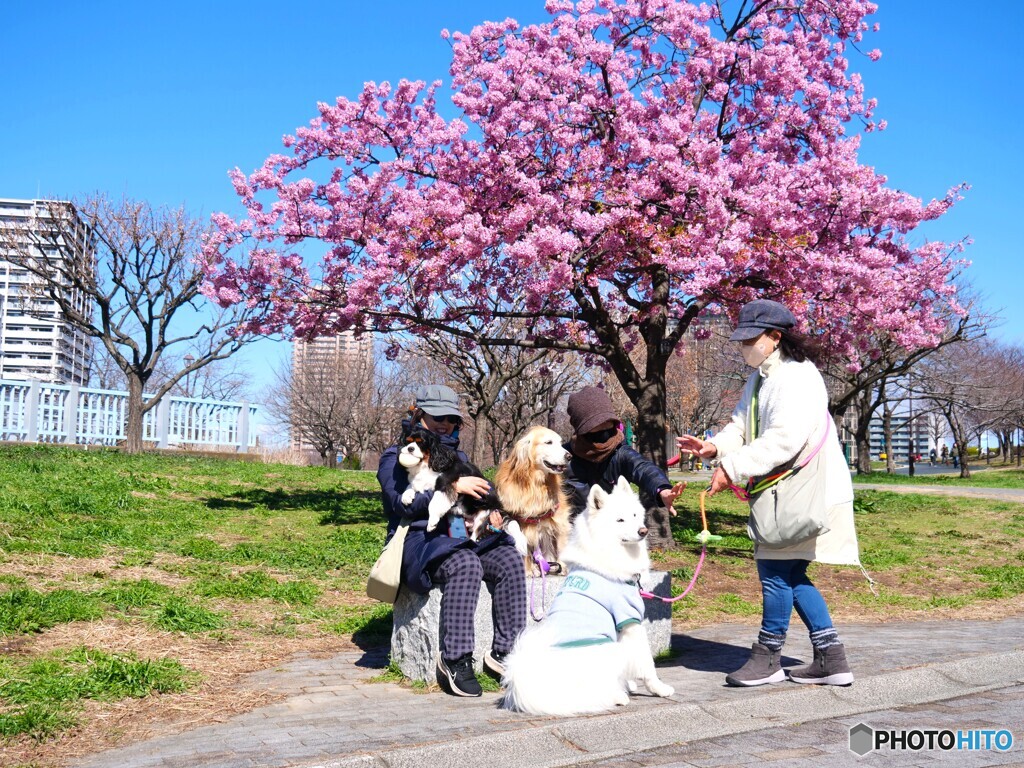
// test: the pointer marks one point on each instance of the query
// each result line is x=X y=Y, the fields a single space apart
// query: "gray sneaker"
x=763 y=667
x=828 y=668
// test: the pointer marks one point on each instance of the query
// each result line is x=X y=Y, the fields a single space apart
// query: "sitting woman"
x=446 y=557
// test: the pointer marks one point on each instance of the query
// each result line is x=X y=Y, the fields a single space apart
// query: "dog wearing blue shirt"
x=591 y=649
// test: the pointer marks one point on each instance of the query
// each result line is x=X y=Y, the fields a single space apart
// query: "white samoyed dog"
x=591 y=648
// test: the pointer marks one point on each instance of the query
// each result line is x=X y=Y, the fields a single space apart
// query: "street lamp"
x=189 y=359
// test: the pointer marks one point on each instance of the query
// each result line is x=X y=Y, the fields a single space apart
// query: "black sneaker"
x=457 y=676
x=494 y=663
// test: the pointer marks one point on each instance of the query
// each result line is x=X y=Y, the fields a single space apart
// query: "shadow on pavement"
x=712 y=656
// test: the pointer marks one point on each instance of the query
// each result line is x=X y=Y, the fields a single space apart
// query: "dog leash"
x=544 y=567
x=703 y=537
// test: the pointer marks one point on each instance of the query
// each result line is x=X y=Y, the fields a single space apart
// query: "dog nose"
x=642 y=531
x=567 y=456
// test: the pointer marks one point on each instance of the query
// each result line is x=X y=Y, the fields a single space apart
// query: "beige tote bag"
x=386 y=573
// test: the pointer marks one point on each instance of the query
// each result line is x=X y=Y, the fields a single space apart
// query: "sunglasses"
x=448 y=419
x=600 y=437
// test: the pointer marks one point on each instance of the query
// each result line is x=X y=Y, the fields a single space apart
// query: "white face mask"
x=756 y=353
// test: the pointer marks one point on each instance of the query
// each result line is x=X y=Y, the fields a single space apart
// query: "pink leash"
x=696 y=572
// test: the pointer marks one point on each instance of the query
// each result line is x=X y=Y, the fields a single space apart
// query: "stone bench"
x=415 y=639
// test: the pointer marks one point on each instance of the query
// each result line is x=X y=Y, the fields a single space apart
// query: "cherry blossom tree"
x=608 y=175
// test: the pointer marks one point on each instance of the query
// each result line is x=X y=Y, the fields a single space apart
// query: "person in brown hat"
x=600 y=455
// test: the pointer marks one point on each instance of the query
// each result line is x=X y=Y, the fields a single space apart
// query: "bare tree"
x=704 y=380
x=505 y=388
x=142 y=290
x=962 y=384
x=536 y=396
x=859 y=384
x=339 y=403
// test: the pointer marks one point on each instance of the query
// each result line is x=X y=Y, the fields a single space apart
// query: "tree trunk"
x=890 y=458
x=133 y=426
x=329 y=456
x=480 y=426
x=860 y=436
x=651 y=438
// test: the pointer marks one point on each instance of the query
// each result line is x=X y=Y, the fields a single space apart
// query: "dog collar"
x=545 y=516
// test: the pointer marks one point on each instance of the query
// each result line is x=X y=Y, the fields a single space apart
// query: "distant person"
x=600 y=455
x=788 y=419
x=931 y=457
x=945 y=454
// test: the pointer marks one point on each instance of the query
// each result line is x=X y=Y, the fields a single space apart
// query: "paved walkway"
x=332 y=716
x=827 y=742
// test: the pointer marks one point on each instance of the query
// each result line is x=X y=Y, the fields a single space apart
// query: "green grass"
x=39 y=696
x=988 y=478
x=231 y=551
x=27 y=610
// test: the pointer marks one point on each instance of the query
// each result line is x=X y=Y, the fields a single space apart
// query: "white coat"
x=793 y=412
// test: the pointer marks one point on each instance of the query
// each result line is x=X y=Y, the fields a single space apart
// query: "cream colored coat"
x=793 y=412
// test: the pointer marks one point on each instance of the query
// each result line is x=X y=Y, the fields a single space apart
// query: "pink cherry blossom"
x=617 y=170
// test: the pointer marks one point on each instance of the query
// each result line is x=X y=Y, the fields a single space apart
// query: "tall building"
x=36 y=342
x=328 y=373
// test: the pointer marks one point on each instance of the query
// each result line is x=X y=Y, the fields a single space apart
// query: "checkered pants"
x=501 y=569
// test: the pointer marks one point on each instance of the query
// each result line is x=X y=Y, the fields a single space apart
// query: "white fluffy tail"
x=544 y=680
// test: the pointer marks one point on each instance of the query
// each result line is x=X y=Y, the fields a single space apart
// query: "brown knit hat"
x=588 y=408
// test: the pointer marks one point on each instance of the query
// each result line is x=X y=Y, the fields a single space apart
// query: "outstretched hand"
x=669 y=495
x=696 y=446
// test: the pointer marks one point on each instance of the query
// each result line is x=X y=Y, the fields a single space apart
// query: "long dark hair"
x=799 y=347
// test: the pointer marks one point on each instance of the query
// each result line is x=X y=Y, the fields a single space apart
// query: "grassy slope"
x=228 y=548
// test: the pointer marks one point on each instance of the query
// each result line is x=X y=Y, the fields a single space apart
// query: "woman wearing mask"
x=788 y=425
x=446 y=557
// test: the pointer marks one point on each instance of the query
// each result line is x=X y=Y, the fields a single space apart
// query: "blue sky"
x=160 y=100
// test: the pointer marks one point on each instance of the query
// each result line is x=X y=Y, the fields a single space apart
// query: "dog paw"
x=622 y=699
x=631 y=686
x=408 y=496
x=432 y=525
x=660 y=689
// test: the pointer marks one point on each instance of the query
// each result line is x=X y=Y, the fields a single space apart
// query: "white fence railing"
x=35 y=411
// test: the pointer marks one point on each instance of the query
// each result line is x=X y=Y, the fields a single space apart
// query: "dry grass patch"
x=221 y=694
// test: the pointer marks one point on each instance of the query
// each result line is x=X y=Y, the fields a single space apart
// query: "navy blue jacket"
x=423 y=551
x=581 y=475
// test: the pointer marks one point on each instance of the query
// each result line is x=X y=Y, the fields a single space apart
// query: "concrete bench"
x=415 y=639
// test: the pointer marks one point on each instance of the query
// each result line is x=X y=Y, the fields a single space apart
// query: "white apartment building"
x=35 y=341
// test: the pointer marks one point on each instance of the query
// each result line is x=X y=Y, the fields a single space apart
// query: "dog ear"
x=442 y=458
x=597 y=498
x=524 y=449
x=622 y=484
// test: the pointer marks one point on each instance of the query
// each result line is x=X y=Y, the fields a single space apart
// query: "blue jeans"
x=784 y=586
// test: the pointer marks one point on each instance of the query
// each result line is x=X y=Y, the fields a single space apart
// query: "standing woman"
x=786 y=426
x=446 y=557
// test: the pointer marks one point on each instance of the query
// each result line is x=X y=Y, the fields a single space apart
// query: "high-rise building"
x=36 y=341
x=330 y=374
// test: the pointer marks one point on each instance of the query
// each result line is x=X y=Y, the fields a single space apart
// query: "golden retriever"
x=529 y=484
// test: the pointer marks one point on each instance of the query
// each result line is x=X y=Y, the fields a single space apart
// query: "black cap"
x=759 y=316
